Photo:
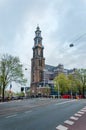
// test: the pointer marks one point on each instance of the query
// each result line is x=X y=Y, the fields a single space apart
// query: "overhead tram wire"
x=28 y=65
x=72 y=43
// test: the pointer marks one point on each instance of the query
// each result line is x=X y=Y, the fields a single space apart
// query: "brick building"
x=37 y=63
x=42 y=75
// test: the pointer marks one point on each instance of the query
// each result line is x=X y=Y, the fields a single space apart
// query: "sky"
x=62 y=22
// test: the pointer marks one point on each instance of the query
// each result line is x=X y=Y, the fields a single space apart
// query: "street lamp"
x=0 y=89
x=58 y=90
x=57 y=85
x=44 y=78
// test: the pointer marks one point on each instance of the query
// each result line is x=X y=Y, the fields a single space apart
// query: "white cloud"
x=61 y=23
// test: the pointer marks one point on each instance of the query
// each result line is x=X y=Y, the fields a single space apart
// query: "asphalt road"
x=37 y=114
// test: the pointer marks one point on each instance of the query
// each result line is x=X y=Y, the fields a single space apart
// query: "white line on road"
x=27 y=112
x=79 y=112
x=11 y=116
x=61 y=127
x=78 y=115
x=69 y=122
x=74 y=118
x=65 y=102
x=84 y=107
x=83 y=110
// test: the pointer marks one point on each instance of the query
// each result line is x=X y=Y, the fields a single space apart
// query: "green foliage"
x=0 y=86
x=61 y=81
x=47 y=90
x=75 y=83
x=72 y=83
x=81 y=76
x=10 y=70
x=21 y=94
x=81 y=80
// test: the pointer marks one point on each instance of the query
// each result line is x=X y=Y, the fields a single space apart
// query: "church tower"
x=37 y=62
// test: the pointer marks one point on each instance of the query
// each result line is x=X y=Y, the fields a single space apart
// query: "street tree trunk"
x=83 y=90
x=3 y=94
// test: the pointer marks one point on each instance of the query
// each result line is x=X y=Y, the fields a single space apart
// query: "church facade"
x=42 y=75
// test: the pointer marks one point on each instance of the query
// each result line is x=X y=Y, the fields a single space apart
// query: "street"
x=37 y=114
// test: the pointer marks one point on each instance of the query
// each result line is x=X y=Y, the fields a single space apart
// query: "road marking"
x=85 y=107
x=78 y=115
x=69 y=122
x=11 y=116
x=64 y=102
x=83 y=110
x=27 y=112
x=74 y=118
x=61 y=127
x=79 y=112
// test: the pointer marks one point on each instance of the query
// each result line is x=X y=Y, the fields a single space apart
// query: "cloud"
x=61 y=22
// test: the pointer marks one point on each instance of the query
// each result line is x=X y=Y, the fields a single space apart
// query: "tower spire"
x=37 y=25
x=38 y=38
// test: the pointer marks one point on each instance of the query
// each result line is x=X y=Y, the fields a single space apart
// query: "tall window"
x=40 y=63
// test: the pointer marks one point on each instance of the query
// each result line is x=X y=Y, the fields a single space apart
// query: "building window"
x=40 y=63
x=39 y=52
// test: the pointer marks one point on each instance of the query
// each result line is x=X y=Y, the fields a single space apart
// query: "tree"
x=47 y=90
x=10 y=70
x=81 y=78
x=0 y=86
x=61 y=83
x=73 y=86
